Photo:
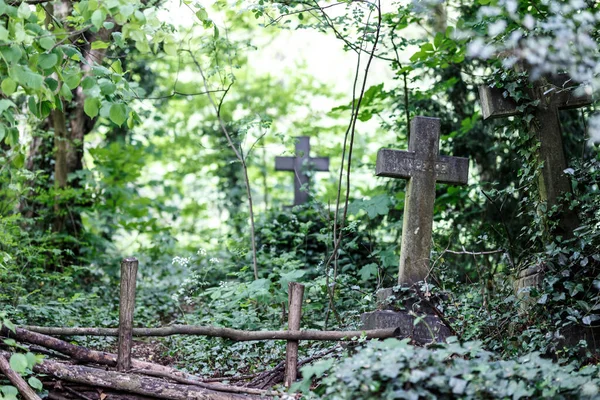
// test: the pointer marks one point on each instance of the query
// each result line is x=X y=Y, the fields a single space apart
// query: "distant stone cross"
x=299 y=164
x=554 y=94
x=423 y=166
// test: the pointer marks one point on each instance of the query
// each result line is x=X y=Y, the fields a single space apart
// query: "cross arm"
x=566 y=93
x=405 y=164
x=494 y=104
x=452 y=170
x=284 y=163
x=319 y=163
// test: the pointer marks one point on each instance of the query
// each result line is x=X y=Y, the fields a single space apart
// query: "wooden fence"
x=293 y=335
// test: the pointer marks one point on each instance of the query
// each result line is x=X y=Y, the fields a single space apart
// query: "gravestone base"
x=429 y=329
x=402 y=315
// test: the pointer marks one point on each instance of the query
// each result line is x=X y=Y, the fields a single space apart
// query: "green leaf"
x=202 y=14
x=126 y=10
x=107 y=87
x=3 y=34
x=66 y=93
x=9 y=86
x=51 y=83
x=31 y=359
x=118 y=113
x=35 y=383
x=24 y=10
x=99 y=44
x=91 y=106
x=72 y=80
x=47 y=61
x=117 y=67
x=4 y=105
x=46 y=43
x=33 y=106
x=140 y=17
x=98 y=18
x=18 y=363
x=292 y=276
x=170 y=46
x=368 y=271
x=27 y=78
x=11 y=327
x=9 y=392
x=11 y=54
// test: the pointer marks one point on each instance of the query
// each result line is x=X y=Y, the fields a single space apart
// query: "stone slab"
x=429 y=329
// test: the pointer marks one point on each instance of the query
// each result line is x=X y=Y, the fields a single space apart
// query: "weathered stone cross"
x=553 y=94
x=422 y=166
x=298 y=165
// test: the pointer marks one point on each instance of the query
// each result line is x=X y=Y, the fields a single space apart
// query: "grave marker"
x=423 y=167
x=298 y=164
x=554 y=94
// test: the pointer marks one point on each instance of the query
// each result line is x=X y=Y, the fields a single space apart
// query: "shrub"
x=393 y=369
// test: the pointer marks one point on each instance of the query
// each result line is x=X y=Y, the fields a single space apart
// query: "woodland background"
x=138 y=128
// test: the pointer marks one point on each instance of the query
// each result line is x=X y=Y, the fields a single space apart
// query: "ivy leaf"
x=368 y=271
x=18 y=363
x=9 y=392
x=91 y=106
x=35 y=383
x=118 y=113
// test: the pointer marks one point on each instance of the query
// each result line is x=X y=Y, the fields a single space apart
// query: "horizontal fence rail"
x=227 y=333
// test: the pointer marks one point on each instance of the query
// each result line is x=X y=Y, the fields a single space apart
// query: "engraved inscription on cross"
x=554 y=94
x=299 y=164
x=423 y=166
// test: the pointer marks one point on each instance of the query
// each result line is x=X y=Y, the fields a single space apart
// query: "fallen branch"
x=82 y=354
x=26 y=391
x=212 y=386
x=99 y=357
x=213 y=331
x=129 y=382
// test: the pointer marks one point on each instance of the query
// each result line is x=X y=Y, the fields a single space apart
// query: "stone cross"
x=298 y=165
x=553 y=94
x=423 y=166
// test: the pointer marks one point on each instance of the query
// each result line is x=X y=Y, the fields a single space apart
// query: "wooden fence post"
x=295 y=294
x=129 y=267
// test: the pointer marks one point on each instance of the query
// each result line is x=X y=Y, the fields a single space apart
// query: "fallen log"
x=214 y=331
x=83 y=354
x=130 y=383
x=23 y=387
x=80 y=353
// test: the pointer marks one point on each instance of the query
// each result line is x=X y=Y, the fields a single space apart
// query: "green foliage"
x=393 y=369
